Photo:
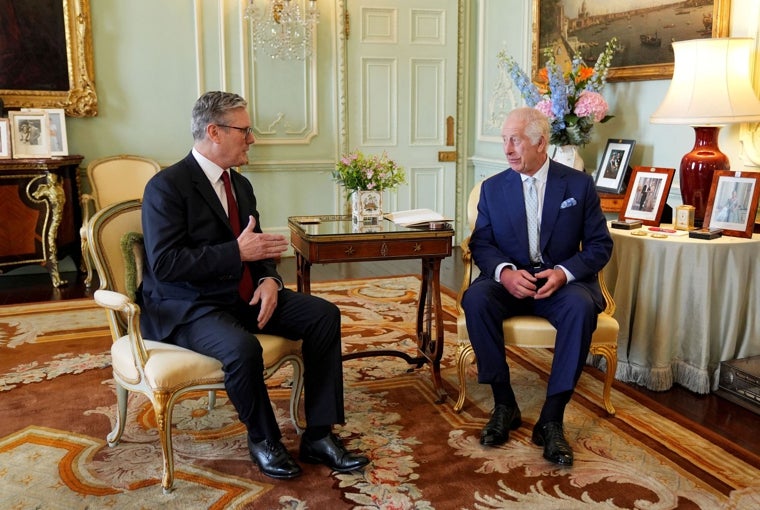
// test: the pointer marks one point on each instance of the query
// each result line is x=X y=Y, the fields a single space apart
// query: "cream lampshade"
x=711 y=87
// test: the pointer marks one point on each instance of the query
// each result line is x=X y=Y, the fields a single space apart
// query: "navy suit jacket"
x=571 y=218
x=193 y=262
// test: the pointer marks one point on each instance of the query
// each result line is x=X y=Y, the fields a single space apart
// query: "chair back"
x=106 y=231
x=119 y=178
x=472 y=205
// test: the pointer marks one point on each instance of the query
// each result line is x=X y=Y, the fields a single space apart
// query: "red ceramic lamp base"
x=697 y=168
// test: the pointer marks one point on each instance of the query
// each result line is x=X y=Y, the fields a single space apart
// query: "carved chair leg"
x=609 y=353
x=464 y=352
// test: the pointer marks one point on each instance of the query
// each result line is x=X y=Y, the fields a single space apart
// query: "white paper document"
x=415 y=217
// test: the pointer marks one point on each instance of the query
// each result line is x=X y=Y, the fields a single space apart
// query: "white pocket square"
x=567 y=203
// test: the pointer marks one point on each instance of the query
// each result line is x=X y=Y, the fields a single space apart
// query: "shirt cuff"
x=279 y=283
x=500 y=268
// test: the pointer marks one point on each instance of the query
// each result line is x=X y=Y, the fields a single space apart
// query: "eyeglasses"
x=246 y=131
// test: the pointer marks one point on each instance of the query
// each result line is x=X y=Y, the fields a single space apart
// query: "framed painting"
x=612 y=172
x=732 y=204
x=46 y=56
x=5 y=139
x=644 y=31
x=30 y=134
x=646 y=194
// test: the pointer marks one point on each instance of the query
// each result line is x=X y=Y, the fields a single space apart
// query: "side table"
x=331 y=239
x=39 y=212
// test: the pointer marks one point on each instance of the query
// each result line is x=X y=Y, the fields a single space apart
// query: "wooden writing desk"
x=330 y=239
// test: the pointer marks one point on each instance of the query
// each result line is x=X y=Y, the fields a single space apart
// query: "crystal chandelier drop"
x=280 y=30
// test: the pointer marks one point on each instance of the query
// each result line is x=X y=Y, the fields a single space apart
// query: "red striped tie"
x=246 y=282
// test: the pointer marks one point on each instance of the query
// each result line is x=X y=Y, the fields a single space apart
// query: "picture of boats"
x=645 y=28
x=651 y=40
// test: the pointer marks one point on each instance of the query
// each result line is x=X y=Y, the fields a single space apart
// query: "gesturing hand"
x=255 y=246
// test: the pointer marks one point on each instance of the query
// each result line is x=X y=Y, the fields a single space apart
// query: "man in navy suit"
x=210 y=284
x=558 y=281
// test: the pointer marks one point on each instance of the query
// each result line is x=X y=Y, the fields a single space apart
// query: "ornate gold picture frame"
x=645 y=34
x=79 y=99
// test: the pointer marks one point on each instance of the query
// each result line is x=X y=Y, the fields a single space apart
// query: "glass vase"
x=366 y=207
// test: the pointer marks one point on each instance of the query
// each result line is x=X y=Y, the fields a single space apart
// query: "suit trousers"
x=571 y=310
x=229 y=335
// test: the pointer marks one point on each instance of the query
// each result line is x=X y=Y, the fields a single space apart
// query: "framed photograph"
x=646 y=194
x=5 y=139
x=612 y=172
x=47 y=57
x=30 y=135
x=59 y=145
x=732 y=204
x=644 y=32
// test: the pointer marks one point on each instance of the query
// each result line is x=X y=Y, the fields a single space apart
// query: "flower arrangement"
x=355 y=171
x=572 y=100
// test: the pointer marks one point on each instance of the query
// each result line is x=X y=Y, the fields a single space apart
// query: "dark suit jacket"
x=193 y=263
x=571 y=217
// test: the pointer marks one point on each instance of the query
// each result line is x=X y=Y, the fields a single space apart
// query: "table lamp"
x=711 y=87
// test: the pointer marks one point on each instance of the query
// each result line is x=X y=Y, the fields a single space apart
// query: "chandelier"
x=280 y=30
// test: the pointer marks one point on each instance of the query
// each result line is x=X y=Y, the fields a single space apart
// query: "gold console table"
x=39 y=213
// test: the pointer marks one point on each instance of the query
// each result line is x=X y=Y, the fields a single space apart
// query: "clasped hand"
x=521 y=284
x=258 y=246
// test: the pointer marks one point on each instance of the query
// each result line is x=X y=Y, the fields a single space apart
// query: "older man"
x=539 y=241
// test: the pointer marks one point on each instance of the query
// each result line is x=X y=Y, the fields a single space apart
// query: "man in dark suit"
x=210 y=284
x=557 y=281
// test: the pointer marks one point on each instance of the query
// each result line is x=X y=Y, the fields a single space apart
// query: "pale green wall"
x=147 y=79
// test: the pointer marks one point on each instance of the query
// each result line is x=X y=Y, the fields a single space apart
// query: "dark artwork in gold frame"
x=60 y=31
x=637 y=30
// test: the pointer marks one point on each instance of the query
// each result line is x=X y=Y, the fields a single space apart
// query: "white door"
x=401 y=86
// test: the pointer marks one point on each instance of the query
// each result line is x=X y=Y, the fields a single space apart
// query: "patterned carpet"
x=57 y=405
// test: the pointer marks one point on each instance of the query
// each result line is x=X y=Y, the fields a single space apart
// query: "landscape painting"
x=644 y=30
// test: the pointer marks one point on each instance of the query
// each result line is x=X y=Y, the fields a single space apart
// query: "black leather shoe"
x=330 y=451
x=552 y=437
x=273 y=459
x=503 y=419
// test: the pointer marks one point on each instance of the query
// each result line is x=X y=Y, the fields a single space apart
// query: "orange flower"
x=584 y=73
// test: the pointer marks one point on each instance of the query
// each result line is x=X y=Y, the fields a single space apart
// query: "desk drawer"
x=379 y=250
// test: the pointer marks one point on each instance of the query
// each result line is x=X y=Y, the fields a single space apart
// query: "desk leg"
x=303 y=274
x=430 y=321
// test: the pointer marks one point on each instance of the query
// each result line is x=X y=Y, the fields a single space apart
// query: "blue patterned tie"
x=531 y=210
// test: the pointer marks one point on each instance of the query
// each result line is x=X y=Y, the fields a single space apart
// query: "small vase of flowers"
x=571 y=98
x=365 y=178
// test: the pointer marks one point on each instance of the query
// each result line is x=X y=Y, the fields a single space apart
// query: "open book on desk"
x=415 y=217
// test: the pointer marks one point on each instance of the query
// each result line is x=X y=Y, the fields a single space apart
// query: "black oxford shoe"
x=503 y=419
x=273 y=459
x=552 y=437
x=330 y=451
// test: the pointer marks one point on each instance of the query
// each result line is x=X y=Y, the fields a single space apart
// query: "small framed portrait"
x=646 y=194
x=5 y=139
x=732 y=204
x=30 y=135
x=613 y=171
x=59 y=145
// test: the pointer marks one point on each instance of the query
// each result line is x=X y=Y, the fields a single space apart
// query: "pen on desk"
x=658 y=229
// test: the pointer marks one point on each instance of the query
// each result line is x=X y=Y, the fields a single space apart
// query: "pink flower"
x=591 y=104
x=545 y=107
